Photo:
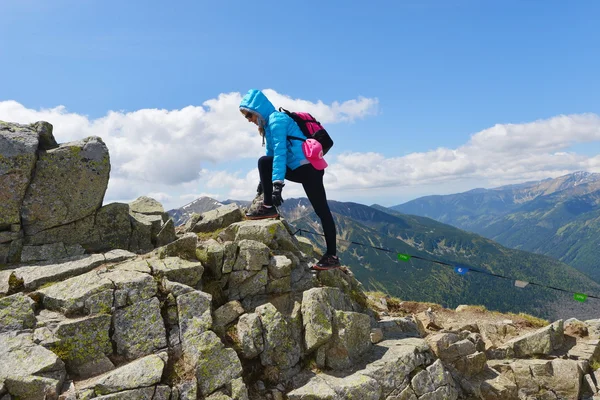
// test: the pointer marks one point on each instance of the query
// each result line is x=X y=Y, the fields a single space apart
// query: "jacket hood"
x=256 y=101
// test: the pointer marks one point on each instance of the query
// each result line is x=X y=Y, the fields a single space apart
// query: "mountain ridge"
x=556 y=217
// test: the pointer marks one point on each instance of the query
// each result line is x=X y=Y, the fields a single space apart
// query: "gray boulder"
x=144 y=372
x=16 y=313
x=83 y=344
x=217 y=365
x=29 y=371
x=249 y=331
x=219 y=218
x=18 y=147
x=139 y=329
x=147 y=205
x=281 y=348
x=69 y=184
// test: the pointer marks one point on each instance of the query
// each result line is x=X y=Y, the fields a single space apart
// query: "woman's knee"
x=264 y=161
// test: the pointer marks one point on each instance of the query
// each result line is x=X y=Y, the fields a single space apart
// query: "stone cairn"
x=228 y=309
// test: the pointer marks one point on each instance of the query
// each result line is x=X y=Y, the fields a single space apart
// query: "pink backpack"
x=311 y=128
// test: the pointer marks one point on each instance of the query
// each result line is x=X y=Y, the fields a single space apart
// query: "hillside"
x=424 y=281
x=555 y=217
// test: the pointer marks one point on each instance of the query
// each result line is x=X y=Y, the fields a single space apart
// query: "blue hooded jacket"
x=278 y=127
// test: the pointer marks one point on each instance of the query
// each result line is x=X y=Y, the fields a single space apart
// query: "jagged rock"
x=16 y=313
x=191 y=222
x=211 y=254
x=217 y=365
x=18 y=147
x=316 y=389
x=280 y=267
x=575 y=327
x=563 y=377
x=186 y=390
x=51 y=251
x=36 y=276
x=177 y=270
x=111 y=230
x=139 y=329
x=218 y=218
x=131 y=286
x=68 y=391
x=471 y=364
x=8 y=236
x=238 y=389
x=421 y=383
x=137 y=394
x=162 y=392
x=69 y=296
x=586 y=349
x=226 y=314
x=495 y=333
x=229 y=256
x=542 y=341
x=251 y=256
x=29 y=371
x=282 y=285
x=323 y=386
x=490 y=384
x=588 y=386
x=270 y=232
x=175 y=288
x=376 y=335
x=83 y=343
x=218 y=396
x=399 y=327
x=317 y=314
x=4 y=281
x=350 y=340
x=146 y=205
x=141 y=233
x=306 y=246
x=137 y=265
x=389 y=366
x=184 y=247
x=249 y=331
x=146 y=371
x=593 y=326
x=194 y=316
x=256 y=284
x=56 y=198
x=166 y=234
x=281 y=349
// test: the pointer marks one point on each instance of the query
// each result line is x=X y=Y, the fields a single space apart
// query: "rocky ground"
x=230 y=310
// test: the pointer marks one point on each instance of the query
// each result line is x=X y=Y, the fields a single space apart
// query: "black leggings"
x=312 y=182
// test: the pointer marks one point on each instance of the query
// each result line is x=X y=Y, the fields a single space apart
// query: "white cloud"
x=179 y=155
x=499 y=155
x=167 y=152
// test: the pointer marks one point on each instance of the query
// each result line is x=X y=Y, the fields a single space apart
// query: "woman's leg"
x=265 y=170
x=312 y=182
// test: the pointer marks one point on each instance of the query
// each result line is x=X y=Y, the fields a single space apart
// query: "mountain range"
x=420 y=280
x=557 y=217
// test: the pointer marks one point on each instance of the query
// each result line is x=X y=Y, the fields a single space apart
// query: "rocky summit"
x=226 y=308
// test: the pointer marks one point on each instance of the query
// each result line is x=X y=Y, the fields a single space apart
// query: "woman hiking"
x=286 y=159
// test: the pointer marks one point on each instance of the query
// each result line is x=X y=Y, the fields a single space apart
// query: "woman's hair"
x=259 y=119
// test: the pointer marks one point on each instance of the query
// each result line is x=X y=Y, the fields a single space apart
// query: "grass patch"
x=595 y=365
x=533 y=321
x=47 y=284
x=204 y=236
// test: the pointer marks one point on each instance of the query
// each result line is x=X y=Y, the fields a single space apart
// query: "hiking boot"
x=326 y=262
x=263 y=212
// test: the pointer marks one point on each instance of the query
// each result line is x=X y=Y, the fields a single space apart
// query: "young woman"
x=286 y=159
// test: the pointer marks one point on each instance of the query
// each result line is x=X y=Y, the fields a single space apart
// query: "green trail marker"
x=580 y=297
x=403 y=257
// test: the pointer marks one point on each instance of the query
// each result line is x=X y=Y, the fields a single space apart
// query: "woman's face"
x=251 y=117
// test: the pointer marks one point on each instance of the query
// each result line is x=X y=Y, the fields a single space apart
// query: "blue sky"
x=415 y=82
